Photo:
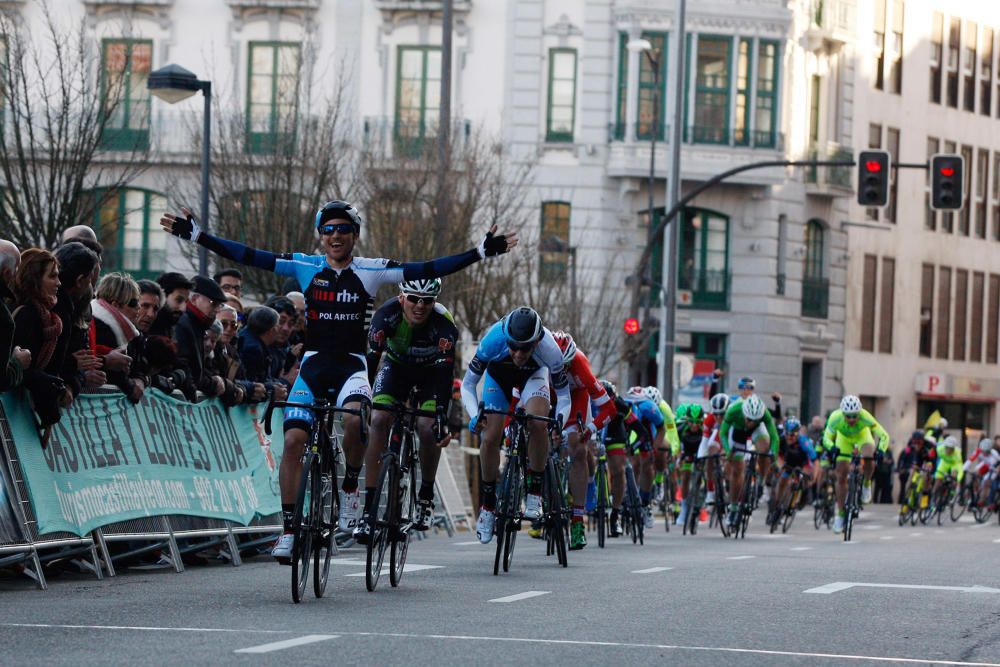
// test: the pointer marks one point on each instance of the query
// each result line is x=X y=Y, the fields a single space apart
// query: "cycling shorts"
x=736 y=450
x=580 y=399
x=340 y=379
x=395 y=380
x=616 y=449
x=848 y=444
x=689 y=451
x=948 y=468
x=498 y=396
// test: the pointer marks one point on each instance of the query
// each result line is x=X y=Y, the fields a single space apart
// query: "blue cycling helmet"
x=522 y=326
x=338 y=210
x=792 y=425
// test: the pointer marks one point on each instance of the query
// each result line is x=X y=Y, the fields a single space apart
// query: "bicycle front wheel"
x=556 y=517
x=302 y=551
x=326 y=504
x=602 y=505
x=381 y=521
x=401 y=540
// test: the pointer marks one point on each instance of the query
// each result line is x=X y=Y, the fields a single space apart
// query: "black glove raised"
x=492 y=245
x=186 y=228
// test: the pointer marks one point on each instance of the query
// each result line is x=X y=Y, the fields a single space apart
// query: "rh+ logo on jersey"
x=347 y=296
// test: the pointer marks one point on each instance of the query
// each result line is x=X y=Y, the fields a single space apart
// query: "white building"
x=763 y=258
x=923 y=286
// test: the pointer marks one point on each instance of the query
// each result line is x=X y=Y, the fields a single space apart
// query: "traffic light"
x=947 y=182
x=631 y=326
x=873 y=178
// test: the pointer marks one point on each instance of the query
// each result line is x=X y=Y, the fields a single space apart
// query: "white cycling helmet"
x=986 y=444
x=753 y=408
x=421 y=287
x=653 y=394
x=719 y=403
x=950 y=442
x=850 y=405
x=635 y=393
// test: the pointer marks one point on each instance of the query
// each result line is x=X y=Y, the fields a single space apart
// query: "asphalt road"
x=696 y=600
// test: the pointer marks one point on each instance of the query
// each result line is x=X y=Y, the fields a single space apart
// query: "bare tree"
x=57 y=121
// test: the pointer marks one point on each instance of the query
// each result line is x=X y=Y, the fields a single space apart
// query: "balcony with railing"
x=830 y=181
x=831 y=25
x=815 y=297
x=705 y=289
x=385 y=137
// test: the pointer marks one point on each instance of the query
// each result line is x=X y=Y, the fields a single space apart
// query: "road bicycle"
x=632 y=514
x=751 y=495
x=317 y=506
x=603 y=482
x=852 y=504
x=825 y=506
x=944 y=497
x=786 y=507
x=397 y=488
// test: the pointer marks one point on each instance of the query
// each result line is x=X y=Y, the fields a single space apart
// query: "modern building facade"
x=763 y=260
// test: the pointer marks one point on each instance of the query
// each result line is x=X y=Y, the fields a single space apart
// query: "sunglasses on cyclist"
x=521 y=347
x=415 y=299
x=339 y=228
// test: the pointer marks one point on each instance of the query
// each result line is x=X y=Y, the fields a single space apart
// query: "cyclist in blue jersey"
x=339 y=292
x=649 y=415
x=516 y=353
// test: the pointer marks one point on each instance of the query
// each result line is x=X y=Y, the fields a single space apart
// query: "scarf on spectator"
x=120 y=325
x=51 y=328
x=201 y=318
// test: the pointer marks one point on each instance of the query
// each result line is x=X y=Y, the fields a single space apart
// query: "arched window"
x=815 y=286
x=703 y=254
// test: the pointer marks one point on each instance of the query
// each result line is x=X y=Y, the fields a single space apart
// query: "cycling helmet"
x=917 y=435
x=985 y=444
x=682 y=413
x=719 y=403
x=522 y=326
x=850 y=405
x=792 y=425
x=423 y=287
x=753 y=408
x=610 y=388
x=653 y=394
x=338 y=210
x=634 y=392
x=943 y=424
x=696 y=414
x=566 y=344
x=950 y=442
x=747 y=383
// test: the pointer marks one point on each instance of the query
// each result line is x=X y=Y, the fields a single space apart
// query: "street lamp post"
x=172 y=84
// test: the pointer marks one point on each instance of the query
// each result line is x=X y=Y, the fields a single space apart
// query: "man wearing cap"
x=176 y=290
x=189 y=334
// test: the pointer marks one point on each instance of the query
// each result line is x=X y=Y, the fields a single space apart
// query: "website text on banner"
x=108 y=460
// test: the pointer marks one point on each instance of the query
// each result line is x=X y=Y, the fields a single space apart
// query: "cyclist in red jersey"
x=710 y=442
x=584 y=390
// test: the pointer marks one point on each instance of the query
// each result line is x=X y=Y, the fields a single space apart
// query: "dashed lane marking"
x=888 y=537
x=287 y=643
x=650 y=570
x=466 y=544
x=408 y=567
x=740 y=557
x=520 y=596
x=800 y=549
x=917 y=534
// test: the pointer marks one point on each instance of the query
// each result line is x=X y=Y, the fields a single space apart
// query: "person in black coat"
x=189 y=334
x=255 y=349
x=176 y=292
x=13 y=360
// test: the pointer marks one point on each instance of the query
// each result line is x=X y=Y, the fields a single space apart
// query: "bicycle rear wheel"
x=381 y=521
x=556 y=518
x=326 y=502
x=602 y=505
x=852 y=499
x=302 y=551
x=961 y=503
x=400 y=542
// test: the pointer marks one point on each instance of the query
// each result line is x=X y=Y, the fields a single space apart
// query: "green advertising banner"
x=108 y=460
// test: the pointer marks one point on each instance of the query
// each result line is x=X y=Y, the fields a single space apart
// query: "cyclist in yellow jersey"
x=849 y=429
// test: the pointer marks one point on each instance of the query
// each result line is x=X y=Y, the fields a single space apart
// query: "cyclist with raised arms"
x=584 y=391
x=848 y=430
x=339 y=290
x=747 y=421
x=517 y=353
x=418 y=336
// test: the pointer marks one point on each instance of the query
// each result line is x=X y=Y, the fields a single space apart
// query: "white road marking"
x=800 y=549
x=466 y=544
x=287 y=643
x=996 y=541
x=875 y=527
x=650 y=570
x=521 y=596
x=772 y=536
x=740 y=557
x=977 y=525
x=844 y=585
x=916 y=534
x=408 y=567
x=887 y=537
x=146 y=628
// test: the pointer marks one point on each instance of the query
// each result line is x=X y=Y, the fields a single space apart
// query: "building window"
x=781 y=274
x=995 y=196
x=965 y=215
x=652 y=88
x=765 y=119
x=703 y=266
x=937 y=46
x=926 y=309
x=886 y=305
x=418 y=94
x=986 y=73
x=868 y=294
x=127 y=225
x=744 y=72
x=621 y=109
x=992 y=319
x=942 y=335
x=878 y=45
x=272 y=94
x=711 y=100
x=560 y=118
x=954 y=34
x=982 y=179
x=553 y=242
x=969 y=67
x=125 y=67
x=930 y=215
x=707 y=347
x=874 y=141
x=895 y=76
x=815 y=89
x=892 y=145
x=815 y=285
x=961 y=313
x=976 y=317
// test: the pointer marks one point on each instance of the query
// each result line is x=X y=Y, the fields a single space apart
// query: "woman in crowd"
x=111 y=329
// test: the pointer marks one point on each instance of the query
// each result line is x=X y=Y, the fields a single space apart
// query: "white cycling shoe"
x=838 y=524
x=283 y=547
x=533 y=506
x=866 y=494
x=350 y=504
x=484 y=525
x=648 y=514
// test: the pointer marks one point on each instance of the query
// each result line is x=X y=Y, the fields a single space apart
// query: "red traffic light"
x=947 y=171
x=873 y=166
x=631 y=326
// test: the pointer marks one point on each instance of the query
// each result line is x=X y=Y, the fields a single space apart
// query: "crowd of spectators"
x=68 y=327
